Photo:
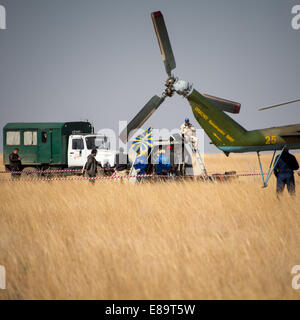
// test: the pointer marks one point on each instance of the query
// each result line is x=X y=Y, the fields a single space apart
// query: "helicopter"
x=225 y=133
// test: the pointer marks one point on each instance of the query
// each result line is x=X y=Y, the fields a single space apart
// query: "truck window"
x=44 y=137
x=77 y=144
x=98 y=142
x=13 y=138
x=30 y=138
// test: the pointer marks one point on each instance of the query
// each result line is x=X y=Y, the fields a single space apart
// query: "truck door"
x=45 y=146
x=76 y=154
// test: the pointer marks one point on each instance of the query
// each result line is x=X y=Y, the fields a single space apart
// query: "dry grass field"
x=189 y=240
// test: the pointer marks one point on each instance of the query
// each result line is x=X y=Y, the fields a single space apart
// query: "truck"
x=55 y=145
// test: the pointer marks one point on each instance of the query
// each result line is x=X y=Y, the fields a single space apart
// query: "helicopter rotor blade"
x=142 y=116
x=163 y=41
x=279 y=105
x=224 y=104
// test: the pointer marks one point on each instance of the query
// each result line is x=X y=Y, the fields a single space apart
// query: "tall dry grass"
x=187 y=240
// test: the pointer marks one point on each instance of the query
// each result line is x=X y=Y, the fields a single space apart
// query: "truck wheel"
x=48 y=173
x=29 y=173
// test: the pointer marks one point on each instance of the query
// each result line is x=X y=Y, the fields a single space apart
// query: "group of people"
x=122 y=164
x=162 y=164
x=284 y=169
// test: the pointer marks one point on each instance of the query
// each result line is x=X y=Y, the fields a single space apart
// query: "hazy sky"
x=99 y=60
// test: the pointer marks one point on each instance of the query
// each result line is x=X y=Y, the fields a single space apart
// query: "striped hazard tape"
x=53 y=171
x=116 y=176
x=112 y=177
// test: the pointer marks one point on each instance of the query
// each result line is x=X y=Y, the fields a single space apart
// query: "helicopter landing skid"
x=272 y=166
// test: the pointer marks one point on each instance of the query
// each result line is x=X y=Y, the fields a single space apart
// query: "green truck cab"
x=57 y=145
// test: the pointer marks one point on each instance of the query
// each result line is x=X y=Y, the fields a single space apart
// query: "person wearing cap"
x=284 y=172
x=15 y=163
x=162 y=164
x=91 y=165
x=187 y=130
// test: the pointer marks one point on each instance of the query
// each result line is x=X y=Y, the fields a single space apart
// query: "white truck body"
x=80 y=147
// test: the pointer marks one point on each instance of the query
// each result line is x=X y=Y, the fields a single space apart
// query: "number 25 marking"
x=270 y=139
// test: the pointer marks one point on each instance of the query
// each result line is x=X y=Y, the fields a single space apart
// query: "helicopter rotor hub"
x=173 y=85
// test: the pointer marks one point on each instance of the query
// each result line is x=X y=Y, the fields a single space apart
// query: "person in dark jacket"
x=15 y=163
x=91 y=165
x=284 y=172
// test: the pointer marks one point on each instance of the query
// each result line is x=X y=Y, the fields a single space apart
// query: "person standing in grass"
x=91 y=166
x=284 y=172
x=15 y=163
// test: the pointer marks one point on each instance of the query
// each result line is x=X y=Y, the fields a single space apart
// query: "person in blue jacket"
x=140 y=164
x=284 y=172
x=162 y=164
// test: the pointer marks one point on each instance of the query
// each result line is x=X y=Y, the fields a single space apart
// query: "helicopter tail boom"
x=221 y=128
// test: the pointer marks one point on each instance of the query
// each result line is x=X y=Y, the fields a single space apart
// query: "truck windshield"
x=98 y=142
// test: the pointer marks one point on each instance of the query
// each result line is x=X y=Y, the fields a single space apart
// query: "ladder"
x=198 y=163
